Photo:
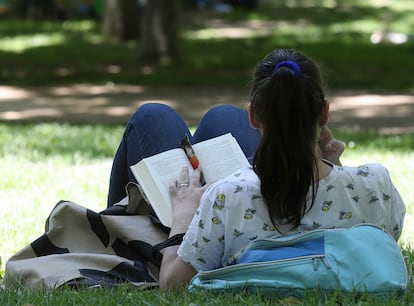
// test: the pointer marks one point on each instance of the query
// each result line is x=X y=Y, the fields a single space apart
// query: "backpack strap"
x=156 y=249
x=173 y=240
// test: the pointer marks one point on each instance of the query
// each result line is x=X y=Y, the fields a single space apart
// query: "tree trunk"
x=171 y=25
x=121 y=20
x=160 y=30
x=19 y=8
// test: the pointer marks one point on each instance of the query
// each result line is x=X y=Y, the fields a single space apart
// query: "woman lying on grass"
x=295 y=182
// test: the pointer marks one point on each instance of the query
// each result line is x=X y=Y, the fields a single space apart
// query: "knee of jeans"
x=148 y=110
x=222 y=111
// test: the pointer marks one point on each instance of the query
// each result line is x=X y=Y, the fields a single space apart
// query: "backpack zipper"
x=315 y=259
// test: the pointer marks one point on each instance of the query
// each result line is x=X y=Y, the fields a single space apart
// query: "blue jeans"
x=155 y=128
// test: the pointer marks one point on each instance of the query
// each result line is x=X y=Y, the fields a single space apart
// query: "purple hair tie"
x=289 y=64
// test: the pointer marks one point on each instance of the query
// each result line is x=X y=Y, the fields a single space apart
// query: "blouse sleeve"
x=395 y=207
x=398 y=209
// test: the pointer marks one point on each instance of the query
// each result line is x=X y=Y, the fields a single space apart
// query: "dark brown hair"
x=287 y=101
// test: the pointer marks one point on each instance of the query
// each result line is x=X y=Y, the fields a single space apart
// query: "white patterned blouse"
x=232 y=212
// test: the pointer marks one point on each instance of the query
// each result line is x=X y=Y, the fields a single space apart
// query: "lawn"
x=46 y=162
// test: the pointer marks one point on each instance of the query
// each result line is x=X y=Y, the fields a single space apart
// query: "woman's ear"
x=324 y=117
x=252 y=116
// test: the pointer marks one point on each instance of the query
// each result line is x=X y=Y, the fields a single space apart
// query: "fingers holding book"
x=185 y=194
x=187 y=187
x=186 y=181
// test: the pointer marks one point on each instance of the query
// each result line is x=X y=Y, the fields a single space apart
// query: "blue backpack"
x=363 y=259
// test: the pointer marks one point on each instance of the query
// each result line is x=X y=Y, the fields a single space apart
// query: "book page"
x=220 y=157
x=155 y=174
x=167 y=167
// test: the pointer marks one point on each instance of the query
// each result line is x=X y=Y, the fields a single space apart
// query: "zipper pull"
x=315 y=263
x=325 y=262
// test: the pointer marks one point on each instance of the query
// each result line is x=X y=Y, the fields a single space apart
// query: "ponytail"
x=287 y=98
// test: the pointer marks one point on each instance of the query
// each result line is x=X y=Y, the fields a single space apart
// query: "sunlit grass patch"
x=21 y=43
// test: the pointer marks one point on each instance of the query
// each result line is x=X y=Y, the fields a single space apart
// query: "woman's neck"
x=323 y=168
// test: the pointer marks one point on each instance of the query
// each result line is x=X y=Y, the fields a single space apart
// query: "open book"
x=218 y=157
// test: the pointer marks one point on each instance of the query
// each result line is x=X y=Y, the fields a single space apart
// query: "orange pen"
x=186 y=145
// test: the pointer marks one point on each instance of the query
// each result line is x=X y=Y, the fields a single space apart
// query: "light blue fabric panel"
x=369 y=259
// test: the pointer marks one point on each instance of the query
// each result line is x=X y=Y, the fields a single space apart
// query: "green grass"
x=50 y=52
x=41 y=164
x=44 y=163
x=128 y=296
x=121 y=296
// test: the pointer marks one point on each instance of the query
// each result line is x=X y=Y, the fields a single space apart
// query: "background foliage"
x=220 y=49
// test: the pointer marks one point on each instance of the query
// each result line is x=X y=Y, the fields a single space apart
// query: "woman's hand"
x=185 y=195
x=330 y=148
